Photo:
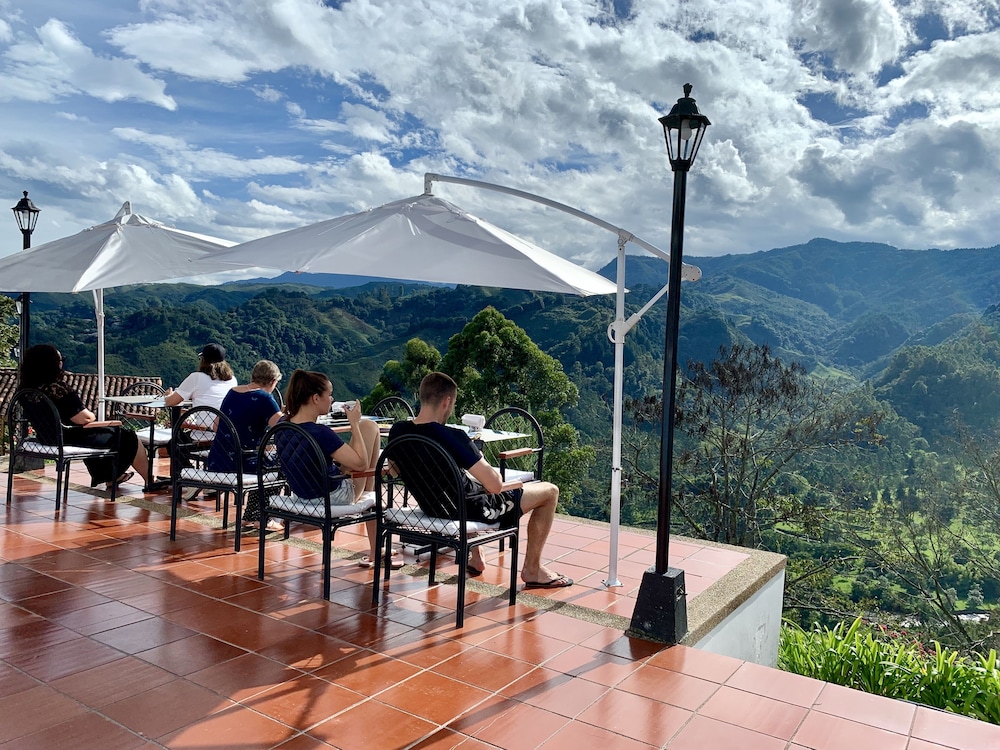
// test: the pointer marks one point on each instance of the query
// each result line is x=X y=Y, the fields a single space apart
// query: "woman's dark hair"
x=302 y=386
x=216 y=370
x=42 y=365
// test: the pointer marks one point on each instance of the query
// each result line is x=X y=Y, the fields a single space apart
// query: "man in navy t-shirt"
x=437 y=402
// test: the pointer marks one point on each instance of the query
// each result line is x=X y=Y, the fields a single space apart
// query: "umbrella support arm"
x=616 y=333
x=689 y=273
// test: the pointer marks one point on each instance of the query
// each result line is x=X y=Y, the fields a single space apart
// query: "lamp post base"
x=661 y=607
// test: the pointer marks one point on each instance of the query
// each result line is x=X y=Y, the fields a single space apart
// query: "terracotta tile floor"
x=111 y=636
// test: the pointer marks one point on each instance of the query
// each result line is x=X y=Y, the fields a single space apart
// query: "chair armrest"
x=105 y=423
x=141 y=417
x=511 y=486
x=515 y=452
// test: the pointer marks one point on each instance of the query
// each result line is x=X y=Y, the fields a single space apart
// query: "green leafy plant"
x=888 y=663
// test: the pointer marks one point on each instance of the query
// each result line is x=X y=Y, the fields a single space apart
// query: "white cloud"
x=860 y=35
x=830 y=117
x=56 y=65
x=201 y=163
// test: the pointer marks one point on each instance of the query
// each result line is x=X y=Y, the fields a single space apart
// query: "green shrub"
x=886 y=663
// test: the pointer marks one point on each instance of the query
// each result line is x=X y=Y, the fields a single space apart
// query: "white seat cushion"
x=68 y=450
x=518 y=475
x=221 y=477
x=417 y=519
x=161 y=435
x=317 y=507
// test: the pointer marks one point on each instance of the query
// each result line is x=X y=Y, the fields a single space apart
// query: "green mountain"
x=859 y=311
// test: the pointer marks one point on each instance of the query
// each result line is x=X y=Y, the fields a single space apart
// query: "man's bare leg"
x=538 y=501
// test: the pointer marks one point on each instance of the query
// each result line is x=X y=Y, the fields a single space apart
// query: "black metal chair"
x=144 y=421
x=413 y=467
x=36 y=431
x=396 y=408
x=522 y=463
x=290 y=457
x=206 y=454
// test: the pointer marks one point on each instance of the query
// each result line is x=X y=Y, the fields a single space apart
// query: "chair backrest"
x=420 y=466
x=135 y=416
x=31 y=407
x=192 y=446
x=395 y=408
x=290 y=451
x=516 y=419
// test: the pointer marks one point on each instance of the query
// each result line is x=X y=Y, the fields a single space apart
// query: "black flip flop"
x=559 y=582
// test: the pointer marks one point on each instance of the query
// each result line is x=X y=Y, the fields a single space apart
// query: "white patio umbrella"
x=422 y=238
x=129 y=249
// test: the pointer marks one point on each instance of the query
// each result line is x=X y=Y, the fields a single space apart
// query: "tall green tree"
x=496 y=364
x=745 y=423
x=402 y=377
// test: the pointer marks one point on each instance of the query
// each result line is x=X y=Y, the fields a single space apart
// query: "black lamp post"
x=661 y=606
x=27 y=216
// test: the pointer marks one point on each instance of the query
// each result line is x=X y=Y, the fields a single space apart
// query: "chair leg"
x=115 y=472
x=327 y=555
x=513 y=571
x=10 y=477
x=386 y=556
x=261 y=535
x=60 y=468
x=175 y=501
x=433 y=565
x=463 y=554
x=224 y=499
x=238 y=517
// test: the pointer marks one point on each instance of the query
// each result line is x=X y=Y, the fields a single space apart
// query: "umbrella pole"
x=99 y=312
x=616 y=332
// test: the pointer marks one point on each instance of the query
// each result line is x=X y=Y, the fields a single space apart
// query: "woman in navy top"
x=308 y=397
x=252 y=409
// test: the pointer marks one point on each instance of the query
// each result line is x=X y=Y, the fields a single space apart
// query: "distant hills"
x=913 y=323
x=327 y=280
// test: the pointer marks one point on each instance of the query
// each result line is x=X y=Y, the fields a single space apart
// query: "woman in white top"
x=210 y=384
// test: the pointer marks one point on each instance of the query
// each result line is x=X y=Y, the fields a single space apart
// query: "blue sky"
x=874 y=120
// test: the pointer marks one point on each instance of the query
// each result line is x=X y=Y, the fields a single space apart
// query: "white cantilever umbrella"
x=422 y=238
x=129 y=249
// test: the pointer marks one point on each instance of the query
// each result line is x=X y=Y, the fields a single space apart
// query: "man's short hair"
x=435 y=387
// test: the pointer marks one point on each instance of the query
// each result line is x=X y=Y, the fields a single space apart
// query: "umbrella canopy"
x=129 y=249
x=417 y=239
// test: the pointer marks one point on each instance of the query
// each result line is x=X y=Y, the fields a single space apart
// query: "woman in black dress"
x=42 y=368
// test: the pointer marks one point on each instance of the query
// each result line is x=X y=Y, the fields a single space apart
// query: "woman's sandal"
x=251 y=527
x=395 y=562
x=120 y=480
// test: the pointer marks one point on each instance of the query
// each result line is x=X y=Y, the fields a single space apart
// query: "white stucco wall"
x=751 y=631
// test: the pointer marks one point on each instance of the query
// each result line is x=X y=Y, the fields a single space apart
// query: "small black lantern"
x=26 y=214
x=684 y=128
